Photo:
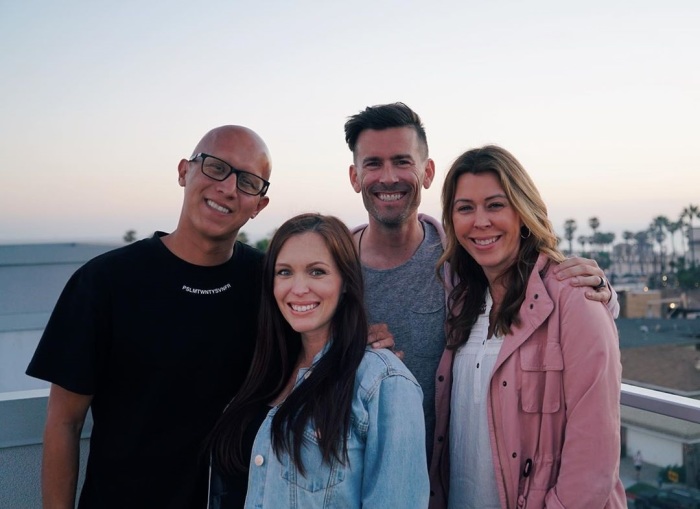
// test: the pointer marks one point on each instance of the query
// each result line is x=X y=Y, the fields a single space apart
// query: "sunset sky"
x=599 y=100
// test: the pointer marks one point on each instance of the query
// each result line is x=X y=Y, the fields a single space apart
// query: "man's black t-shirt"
x=163 y=346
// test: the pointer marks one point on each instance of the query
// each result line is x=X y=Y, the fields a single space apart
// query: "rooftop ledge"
x=23 y=412
x=15 y=395
x=662 y=403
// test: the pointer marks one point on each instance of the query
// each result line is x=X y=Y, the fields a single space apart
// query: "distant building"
x=694 y=244
x=646 y=303
x=640 y=304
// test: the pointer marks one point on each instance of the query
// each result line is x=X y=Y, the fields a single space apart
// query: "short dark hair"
x=384 y=116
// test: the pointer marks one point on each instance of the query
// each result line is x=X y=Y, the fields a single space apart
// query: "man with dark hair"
x=156 y=338
x=399 y=248
x=384 y=117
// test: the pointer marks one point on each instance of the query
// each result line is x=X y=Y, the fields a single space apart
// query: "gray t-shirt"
x=410 y=299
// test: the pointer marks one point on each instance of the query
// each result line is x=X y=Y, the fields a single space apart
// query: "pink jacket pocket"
x=542 y=366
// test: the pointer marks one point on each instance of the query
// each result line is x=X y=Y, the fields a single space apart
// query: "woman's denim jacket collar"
x=385 y=469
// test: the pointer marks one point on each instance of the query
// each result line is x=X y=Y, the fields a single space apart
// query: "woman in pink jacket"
x=528 y=410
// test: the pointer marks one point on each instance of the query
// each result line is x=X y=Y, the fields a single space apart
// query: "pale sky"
x=599 y=100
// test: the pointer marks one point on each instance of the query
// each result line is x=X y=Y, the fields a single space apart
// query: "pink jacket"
x=554 y=413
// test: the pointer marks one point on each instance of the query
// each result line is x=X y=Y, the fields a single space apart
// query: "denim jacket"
x=386 y=464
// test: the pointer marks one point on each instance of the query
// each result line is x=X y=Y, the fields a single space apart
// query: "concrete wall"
x=31 y=279
x=656 y=449
x=23 y=414
x=20 y=467
x=16 y=350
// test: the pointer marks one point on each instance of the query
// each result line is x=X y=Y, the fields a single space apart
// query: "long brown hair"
x=538 y=237
x=325 y=397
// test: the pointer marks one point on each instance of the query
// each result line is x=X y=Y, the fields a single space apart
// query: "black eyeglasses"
x=216 y=169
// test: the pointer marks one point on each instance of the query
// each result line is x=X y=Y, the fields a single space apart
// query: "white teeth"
x=218 y=207
x=485 y=242
x=390 y=196
x=301 y=309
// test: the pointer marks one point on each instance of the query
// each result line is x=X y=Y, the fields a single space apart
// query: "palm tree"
x=242 y=237
x=569 y=229
x=594 y=223
x=262 y=244
x=607 y=239
x=582 y=239
x=605 y=257
x=673 y=227
x=690 y=212
x=129 y=236
x=642 y=240
x=628 y=235
x=684 y=246
x=657 y=230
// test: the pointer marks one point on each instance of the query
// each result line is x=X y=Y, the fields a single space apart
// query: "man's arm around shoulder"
x=59 y=470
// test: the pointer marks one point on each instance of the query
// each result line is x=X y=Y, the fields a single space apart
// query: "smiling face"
x=216 y=210
x=485 y=223
x=307 y=285
x=390 y=168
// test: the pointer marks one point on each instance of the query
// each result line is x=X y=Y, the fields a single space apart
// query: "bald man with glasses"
x=155 y=338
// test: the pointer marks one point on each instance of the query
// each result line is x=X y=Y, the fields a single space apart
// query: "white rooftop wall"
x=32 y=277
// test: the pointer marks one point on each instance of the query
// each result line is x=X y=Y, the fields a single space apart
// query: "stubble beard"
x=393 y=219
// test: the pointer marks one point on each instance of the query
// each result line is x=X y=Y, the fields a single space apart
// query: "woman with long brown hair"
x=321 y=420
x=528 y=410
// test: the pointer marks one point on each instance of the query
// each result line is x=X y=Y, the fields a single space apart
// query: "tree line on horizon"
x=644 y=252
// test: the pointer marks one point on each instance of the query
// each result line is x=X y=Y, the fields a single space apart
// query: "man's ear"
x=429 y=173
x=261 y=205
x=182 y=171
x=354 y=179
